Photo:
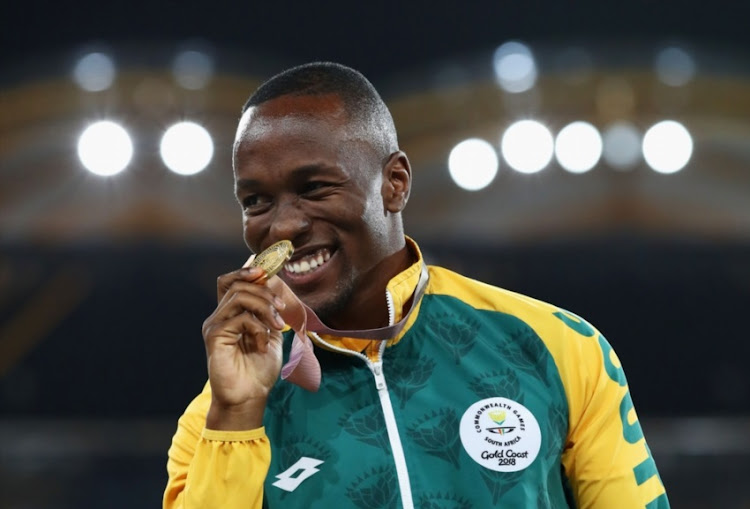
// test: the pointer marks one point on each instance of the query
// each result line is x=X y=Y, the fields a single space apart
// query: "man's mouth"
x=308 y=263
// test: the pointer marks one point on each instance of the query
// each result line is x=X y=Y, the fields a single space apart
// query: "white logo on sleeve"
x=292 y=477
x=500 y=434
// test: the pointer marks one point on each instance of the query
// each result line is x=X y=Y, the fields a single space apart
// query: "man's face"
x=301 y=175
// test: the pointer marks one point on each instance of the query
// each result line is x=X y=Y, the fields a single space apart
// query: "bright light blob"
x=473 y=164
x=105 y=148
x=515 y=68
x=527 y=146
x=94 y=72
x=186 y=148
x=667 y=146
x=622 y=145
x=193 y=69
x=578 y=147
x=675 y=67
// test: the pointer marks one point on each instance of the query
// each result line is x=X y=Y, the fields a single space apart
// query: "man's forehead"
x=287 y=112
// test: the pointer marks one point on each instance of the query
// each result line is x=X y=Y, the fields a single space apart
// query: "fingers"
x=247 y=314
x=248 y=274
x=256 y=299
x=247 y=332
x=256 y=340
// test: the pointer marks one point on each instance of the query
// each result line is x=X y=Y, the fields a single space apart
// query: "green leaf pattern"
x=375 y=489
x=409 y=376
x=300 y=446
x=493 y=384
x=437 y=433
x=526 y=351
x=338 y=380
x=367 y=425
x=499 y=483
x=458 y=333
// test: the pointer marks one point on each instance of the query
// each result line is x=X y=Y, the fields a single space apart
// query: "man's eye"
x=254 y=202
x=315 y=187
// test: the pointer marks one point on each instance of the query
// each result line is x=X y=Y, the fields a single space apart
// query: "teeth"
x=309 y=263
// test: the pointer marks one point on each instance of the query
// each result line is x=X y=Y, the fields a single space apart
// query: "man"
x=484 y=398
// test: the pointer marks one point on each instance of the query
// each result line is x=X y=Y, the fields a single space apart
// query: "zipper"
x=390 y=425
x=376 y=368
x=391 y=310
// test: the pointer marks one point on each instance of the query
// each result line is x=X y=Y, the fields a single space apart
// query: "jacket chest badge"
x=500 y=434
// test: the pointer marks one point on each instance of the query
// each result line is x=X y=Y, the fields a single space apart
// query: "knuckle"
x=224 y=280
x=207 y=329
x=238 y=286
x=260 y=332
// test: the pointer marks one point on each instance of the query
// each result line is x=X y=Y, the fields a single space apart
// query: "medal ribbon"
x=303 y=368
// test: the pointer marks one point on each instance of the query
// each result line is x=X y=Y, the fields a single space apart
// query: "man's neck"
x=368 y=309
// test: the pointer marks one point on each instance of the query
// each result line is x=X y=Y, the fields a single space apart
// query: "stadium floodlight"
x=105 y=148
x=622 y=145
x=578 y=147
x=674 y=66
x=527 y=146
x=473 y=164
x=515 y=68
x=94 y=72
x=667 y=146
x=186 y=148
x=192 y=69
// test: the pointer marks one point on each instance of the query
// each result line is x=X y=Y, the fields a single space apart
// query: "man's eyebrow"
x=300 y=173
x=309 y=170
x=245 y=185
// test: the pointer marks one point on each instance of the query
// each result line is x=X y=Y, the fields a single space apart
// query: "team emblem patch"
x=500 y=434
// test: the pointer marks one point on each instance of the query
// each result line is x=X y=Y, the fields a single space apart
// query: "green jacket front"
x=487 y=398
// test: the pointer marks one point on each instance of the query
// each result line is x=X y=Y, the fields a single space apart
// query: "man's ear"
x=396 y=182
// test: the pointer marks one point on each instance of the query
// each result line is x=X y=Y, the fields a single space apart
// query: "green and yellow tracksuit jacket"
x=487 y=398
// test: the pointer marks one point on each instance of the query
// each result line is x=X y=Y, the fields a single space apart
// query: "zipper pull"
x=377 y=370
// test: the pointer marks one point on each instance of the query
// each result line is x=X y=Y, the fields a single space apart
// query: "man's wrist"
x=241 y=417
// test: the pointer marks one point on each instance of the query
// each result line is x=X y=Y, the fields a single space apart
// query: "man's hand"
x=244 y=349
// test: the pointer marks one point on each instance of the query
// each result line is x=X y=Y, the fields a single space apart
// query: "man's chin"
x=327 y=310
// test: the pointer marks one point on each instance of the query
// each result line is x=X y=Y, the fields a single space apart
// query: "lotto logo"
x=292 y=477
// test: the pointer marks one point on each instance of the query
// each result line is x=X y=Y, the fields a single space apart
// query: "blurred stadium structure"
x=105 y=281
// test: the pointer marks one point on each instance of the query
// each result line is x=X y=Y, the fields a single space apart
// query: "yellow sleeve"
x=209 y=468
x=606 y=458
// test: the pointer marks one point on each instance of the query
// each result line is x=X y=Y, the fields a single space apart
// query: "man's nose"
x=290 y=222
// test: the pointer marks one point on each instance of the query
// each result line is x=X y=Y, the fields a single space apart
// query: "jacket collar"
x=401 y=289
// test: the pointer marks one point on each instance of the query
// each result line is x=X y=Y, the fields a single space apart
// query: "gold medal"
x=272 y=259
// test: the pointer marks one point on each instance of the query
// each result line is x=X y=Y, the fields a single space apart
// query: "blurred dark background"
x=106 y=280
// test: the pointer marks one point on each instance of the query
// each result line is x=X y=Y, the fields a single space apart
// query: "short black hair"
x=362 y=101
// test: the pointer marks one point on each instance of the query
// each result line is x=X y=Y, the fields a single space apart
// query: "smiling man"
x=467 y=395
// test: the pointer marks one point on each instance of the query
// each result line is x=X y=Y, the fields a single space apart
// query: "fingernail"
x=253 y=272
x=279 y=321
x=280 y=304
